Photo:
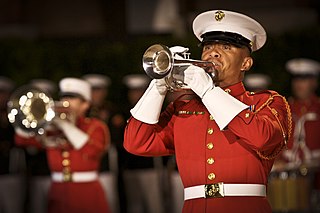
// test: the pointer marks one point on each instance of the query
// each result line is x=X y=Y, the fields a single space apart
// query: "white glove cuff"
x=75 y=136
x=149 y=106
x=222 y=106
x=22 y=133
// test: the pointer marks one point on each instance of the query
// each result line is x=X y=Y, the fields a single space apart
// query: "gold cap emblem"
x=219 y=15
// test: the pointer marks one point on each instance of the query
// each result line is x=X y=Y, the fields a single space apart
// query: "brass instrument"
x=32 y=110
x=159 y=62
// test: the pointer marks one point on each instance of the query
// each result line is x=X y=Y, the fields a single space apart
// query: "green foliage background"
x=23 y=60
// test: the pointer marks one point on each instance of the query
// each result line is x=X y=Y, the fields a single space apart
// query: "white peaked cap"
x=230 y=23
x=97 y=80
x=303 y=66
x=136 y=81
x=75 y=87
x=257 y=80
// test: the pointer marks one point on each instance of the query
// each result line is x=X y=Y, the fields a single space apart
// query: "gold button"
x=66 y=170
x=65 y=154
x=211 y=176
x=247 y=115
x=210 y=145
x=66 y=162
x=211 y=118
x=210 y=131
x=210 y=161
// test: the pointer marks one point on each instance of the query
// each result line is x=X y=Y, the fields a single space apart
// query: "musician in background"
x=104 y=109
x=141 y=175
x=304 y=151
x=257 y=82
x=74 y=148
x=12 y=158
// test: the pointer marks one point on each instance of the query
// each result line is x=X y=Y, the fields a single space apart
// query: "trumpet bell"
x=157 y=61
x=30 y=109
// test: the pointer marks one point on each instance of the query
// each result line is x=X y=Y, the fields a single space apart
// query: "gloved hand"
x=178 y=49
x=19 y=131
x=149 y=105
x=221 y=105
x=75 y=136
x=198 y=80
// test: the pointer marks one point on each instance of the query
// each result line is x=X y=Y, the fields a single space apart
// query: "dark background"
x=54 y=39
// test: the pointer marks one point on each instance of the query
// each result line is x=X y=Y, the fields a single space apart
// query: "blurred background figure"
x=296 y=178
x=142 y=176
x=257 y=82
x=38 y=172
x=103 y=109
x=74 y=145
x=12 y=158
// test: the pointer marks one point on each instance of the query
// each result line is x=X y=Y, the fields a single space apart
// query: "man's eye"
x=226 y=47
x=206 y=47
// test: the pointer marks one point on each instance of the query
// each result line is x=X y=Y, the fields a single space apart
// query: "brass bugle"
x=32 y=110
x=159 y=62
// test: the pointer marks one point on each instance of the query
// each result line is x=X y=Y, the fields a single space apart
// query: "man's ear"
x=247 y=63
x=85 y=105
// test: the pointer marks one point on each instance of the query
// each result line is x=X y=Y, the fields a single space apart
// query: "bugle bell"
x=32 y=109
x=160 y=62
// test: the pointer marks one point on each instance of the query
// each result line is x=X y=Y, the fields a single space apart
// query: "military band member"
x=74 y=148
x=304 y=151
x=103 y=109
x=146 y=194
x=225 y=139
x=257 y=82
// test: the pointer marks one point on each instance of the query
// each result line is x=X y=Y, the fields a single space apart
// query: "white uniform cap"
x=44 y=85
x=228 y=26
x=75 y=87
x=257 y=81
x=303 y=67
x=136 y=81
x=6 y=84
x=97 y=80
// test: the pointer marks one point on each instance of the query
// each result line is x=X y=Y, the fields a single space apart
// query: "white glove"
x=198 y=80
x=77 y=137
x=178 y=49
x=22 y=133
x=222 y=106
x=149 y=106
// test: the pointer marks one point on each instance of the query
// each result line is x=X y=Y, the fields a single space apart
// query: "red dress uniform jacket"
x=243 y=153
x=80 y=197
x=311 y=126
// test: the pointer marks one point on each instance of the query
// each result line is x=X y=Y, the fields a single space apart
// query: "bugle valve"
x=160 y=62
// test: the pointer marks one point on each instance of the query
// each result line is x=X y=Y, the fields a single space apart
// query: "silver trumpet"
x=159 y=62
x=32 y=110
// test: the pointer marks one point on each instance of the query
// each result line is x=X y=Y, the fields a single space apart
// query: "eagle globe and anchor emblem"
x=219 y=15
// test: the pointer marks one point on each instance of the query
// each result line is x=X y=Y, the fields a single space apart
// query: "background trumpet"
x=32 y=110
x=159 y=62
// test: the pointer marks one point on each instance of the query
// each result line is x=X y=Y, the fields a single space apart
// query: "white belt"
x=74 y=176
x=221 y=190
